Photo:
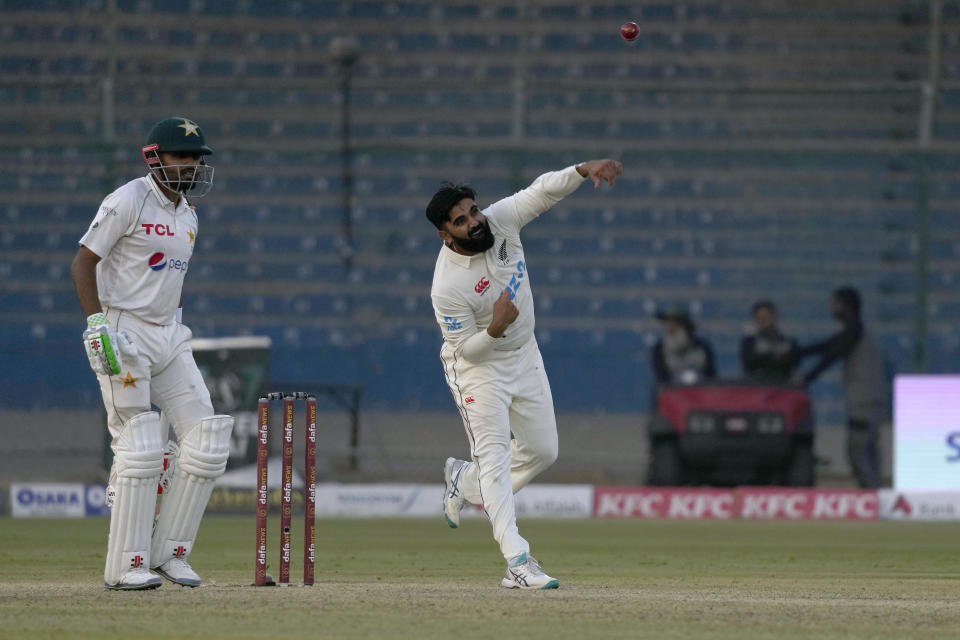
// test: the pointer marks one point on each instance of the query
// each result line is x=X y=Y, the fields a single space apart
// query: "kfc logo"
x=482 y=286
x=674 y=504
x=807 y=504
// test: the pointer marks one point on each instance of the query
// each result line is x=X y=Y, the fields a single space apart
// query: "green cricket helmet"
x=179 y=136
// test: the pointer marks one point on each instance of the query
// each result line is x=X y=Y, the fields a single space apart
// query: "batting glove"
x=102 y=345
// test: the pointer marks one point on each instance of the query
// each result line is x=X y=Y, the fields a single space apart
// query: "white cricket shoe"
x=177 y=570
x=136 y=579
x=524 y=572
x=452 y=495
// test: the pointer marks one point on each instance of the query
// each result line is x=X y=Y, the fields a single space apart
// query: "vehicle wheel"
x=800 y=472
x=666 y=467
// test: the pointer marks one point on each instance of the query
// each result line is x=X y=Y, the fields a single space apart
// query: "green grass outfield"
x=418 y=579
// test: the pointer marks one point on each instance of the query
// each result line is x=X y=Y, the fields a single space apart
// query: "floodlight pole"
x=519 y=112
x=346 y=53
x=108 y=85
x=922 y=227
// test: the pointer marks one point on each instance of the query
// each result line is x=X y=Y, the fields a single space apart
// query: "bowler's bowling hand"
x=605 y=170
x=504 y=313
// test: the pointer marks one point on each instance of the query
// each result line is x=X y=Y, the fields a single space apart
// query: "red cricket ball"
x=629 y=31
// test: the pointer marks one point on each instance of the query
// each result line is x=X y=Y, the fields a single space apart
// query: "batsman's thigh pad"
x=203 y=458
x=137 y=465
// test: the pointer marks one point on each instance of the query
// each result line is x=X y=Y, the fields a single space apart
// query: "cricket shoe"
x=177 y=570
x=136 y=579
x=452 y=495
x=524 y=572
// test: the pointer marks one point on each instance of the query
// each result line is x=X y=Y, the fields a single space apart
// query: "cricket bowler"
x=483 y=302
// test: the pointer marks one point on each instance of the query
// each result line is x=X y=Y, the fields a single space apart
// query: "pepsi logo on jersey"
x=158 y=262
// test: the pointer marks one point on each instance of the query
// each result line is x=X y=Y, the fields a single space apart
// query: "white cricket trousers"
x=507 y=393
x=163 y=373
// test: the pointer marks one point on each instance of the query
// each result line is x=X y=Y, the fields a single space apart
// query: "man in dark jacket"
x=767 y=355
x=864 y=383
x=681 y=357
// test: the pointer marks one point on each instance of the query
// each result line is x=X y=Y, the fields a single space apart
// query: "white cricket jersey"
x=145 y=243
x=465 y=287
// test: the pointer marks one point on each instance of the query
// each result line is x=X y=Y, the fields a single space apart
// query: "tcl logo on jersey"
x=159 y=262
x=482 y=286
x=158 y=229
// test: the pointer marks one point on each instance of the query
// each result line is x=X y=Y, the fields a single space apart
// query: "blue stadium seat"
x=703 y=217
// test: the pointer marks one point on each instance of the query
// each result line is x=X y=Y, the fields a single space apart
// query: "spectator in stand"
x=864 y=383
x=681 y=357
x=767 y=355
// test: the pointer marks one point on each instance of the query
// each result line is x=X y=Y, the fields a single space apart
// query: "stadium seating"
x=766 y=154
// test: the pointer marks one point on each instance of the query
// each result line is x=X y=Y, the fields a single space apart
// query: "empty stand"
x=768 y=151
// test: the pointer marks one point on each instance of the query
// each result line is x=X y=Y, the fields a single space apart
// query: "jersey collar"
x=165 y=202
x=459 y=258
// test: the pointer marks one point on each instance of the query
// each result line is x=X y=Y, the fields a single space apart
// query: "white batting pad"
x=203 y=459
x=137 y=465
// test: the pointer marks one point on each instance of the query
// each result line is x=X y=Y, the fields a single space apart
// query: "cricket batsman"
x=484 y=305
x=128 y=273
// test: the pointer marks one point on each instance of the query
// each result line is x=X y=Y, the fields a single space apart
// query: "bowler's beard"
x=477 y=242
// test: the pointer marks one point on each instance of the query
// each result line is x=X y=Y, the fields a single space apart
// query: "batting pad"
x=203 y=459
x=137 y=464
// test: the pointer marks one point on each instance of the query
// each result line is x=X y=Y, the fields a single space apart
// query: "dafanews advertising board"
x=926 y=424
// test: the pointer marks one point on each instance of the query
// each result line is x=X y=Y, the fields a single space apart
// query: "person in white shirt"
x=484 y=305
x=128 y=273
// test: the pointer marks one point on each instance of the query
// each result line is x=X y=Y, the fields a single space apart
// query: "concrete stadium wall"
x=406 y=447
